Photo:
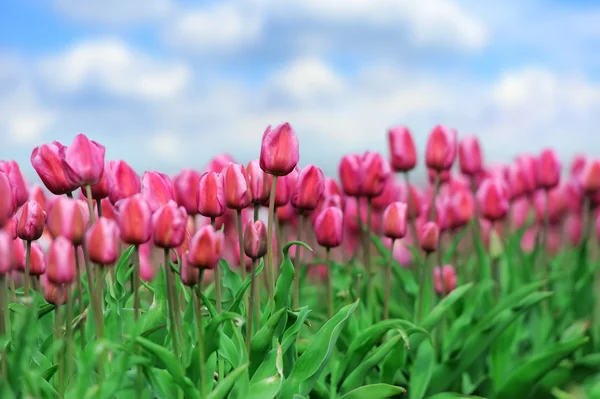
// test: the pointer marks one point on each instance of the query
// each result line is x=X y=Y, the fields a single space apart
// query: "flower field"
x=268 y=280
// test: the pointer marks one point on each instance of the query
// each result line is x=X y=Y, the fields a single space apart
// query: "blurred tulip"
x=8 y=260
x=462 y=208
x=107 y=210
x=286 y=214
x=351 y=174
x=402 y=149
x=260 y=183
x=185 y=189
x=206 y=248
x=68 y=219
x=36 y=193
x=574 y=229
x=211 y=195
x=376 y=172
x=390 y=193
x=236 y=187
x=83 y=161
x=134 y=218
x=415 y=200
x=100 y=190
x=10 y=227
x=429 y=236
x=218 y=163
x=445 y=279
x=7 y=199
x=190 y=275
x=441 y=148
x=528 y=166
x=37 y=263
x=469 y=156
x=548 y=170
x=178 y=254
x=577 y=165
x=168 y=225
x=309 y=188
x=47 y=162
x=147 y=271
x=331 y=188
x=492 y=197
x=123 y=181
x=157 y=189
x=54 y=294
x=102 y=242
x=394 y=220
x=31 y=220
x=520 y=212
x=329 y=227
x=19 y=187
x=255 y=240
x=279 y=151
x=589 y=177
x=515 y=179
x=61 y=262
x=552 y=201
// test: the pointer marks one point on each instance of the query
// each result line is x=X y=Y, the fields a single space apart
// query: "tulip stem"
x=27 y=267
x=3 y=303
x=88 y=194
x=256 y=210
x=136 y=309
x=250 y=315
x=440 y=263
x=80 y=295
x=278 y=242
x=368 y=241
x=388 y=283
x=11 y=281
x=297 y=260
x=218 y=298
x=69 y=328
x=475 y=230
x=411 y=213
x=240 y=232
x=329 y=282
x=546 y=232
x=422 y=288
x=172 y=307
x=99 y=206
x=58 y=337
x=201 y=354
x=270 y=270
x=436 y=189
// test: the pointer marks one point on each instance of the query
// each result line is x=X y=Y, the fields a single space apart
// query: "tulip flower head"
x=492 y=197
x=236 y=186
x=279 y=152
x=429 y=236
x=376 y=172
x=83 y=161
x=206 y=248
x=168 y=225
x=211 y=195
x=329 y=227
x=402 y=149
x=157 y=189
x=394 y=220
x=185 y=189
x=309 y=188
x=31 y=219
x=445 y=279
x=123 y=181
x=255 y=239
x=548 y=170
x=469 y=156
x=47 y=162
x=61 y=267
x=441 y=148
x=102 y=242
x=351 y=175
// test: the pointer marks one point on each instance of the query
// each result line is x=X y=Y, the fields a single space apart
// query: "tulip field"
x=268 y=280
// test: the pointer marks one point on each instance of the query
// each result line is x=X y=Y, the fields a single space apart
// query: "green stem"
x=270 y=269
x=297 y=260
x=3 y=305
x=27 y=267
x=69 y=328
x=329 y=283
x=11 y=281
x=90 y=202
x=546 y=233
x=218 y=298
x=201 y=355
x=136 y=309
x=256 y=209
x=422 y=288
x=241 y=248
x=250 y=316
x=99 y=206
x=436 y=189
x=388 y=283
x=80 y=296
x=411 y=212
x=172 y=306
x=59 y=353
x=278 y=242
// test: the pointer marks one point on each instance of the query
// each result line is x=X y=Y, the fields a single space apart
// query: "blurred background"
x=166 y=84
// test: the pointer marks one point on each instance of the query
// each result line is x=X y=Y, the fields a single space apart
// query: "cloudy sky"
x=165 y=84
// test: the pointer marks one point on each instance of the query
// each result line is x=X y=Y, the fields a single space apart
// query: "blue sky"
x=166 y=84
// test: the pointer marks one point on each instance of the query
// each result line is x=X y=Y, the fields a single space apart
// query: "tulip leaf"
x=421 y=371
x=451 y=395
x=261 y=342
x=407 y=279
x=212 y=335
x=239 y=295
x=222 y=390
x=375 y=391
x=283 y=289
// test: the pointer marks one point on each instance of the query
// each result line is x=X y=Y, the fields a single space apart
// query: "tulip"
x=168 y=225
x=123 y=182
x=469 y=156
x=329 y=227
x=520 y=212
x=589 y=177
x=394 y=220
x=106 y=209
x=210 y=196
x=279 y=151
x=20 y=191
x=10 y=227
x=331 y=188
x=286 y=214
x=68 y=219
x=36 y=193
x=376 y=173
x=577 y=165
x=528 y=165
x=7 y=200
x=37 y=262
x=351 y=175
x=462 y=208
x=445 y=279
x=237 y=192
x=548 y=170
x=260 y=183
x=516 y=181
x=185 y=187
x=206 y=248
x=441 y=148
x=19 y=248
x=31 y=220
x=443 y=176
x=411 y=195
x=83 y=161
x=309 y=188
x=47 y=162
x=102 y=242
x=390 y=193
x=552 y=203
x=492 y=197
x=147 y=271
x=285 y=188
x=8 y=260
x=218 y=163
x=101 y=189
x=61 y=267
x=54 y=294
x=157 y=189
x=134 y=218
x=402 y=149
x=429 y=236
x=255 y=240
x=190 y=276
x=574 y=229
x=177 y=256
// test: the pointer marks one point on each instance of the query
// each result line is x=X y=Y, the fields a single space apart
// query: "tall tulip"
x=102 y=241
x=403 y=155
x=123 y=181
x=157 y=189
x=47 y=162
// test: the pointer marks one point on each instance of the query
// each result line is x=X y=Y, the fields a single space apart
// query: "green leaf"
x=269 y=387
x=283 y=289
x=262 y=341
x=523 y=379
x=407 y=278
x=239 y=295
x=450 y=395
x=375 y=391
x=222 y=390
x=313 y=361
x=157 y=312
x=211 y=337
x=421 y=371
x=232 y=281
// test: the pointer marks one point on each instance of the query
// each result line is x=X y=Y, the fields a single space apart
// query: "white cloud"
x=114 y=11
x=111 y=66
x=167 y=146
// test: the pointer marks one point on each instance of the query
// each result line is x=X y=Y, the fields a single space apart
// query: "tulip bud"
x=589 y=177
x=492 y=197
x=402 y=149
x=8 y=260
x=469 y=156
x=101 y=189
x=68 y=219
x=462 y=208
x=83 y=161
x=37 y=261
x=20 y=191
x=351 y=174
x=7 y=200
x=445 y=279
x=411 y=195
x=134 y=218
x=577 y=165
x=553 y=202
x=157 y=189
x=429 y=236
x=279 y=151
x=285 y=187
x=36 y=193
x=206 y=248
x=190 y=275
x=211 y=196
x=107 y=209
x=31 y=220
x=517 y=186
x=54 y=294
x=394 y=220
x=168 y=225
x=47 y=162
x=185 y=187
x=286 y=214
x=237 y=192
x=309 y=188
x=441 y=148
x=390 y=193
x=376 y=173
x=123 y=182
x=178 y=253
x=147 y=271
x=329 y=227
x=260 y=183
x=102 y=241
x=528 y=165
x=574 y=229
x=218 y=163
x=255 y=239
x=548 y=170
x=61 y=267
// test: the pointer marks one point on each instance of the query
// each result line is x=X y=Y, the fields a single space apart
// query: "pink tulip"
x=123 y=181
x=589 y=177
x=69 y=219
x=8 y=260
x=429 y=236
x=157 y=189
x=211 y=195
x=469 y=156
x=168 y=225
x=36 y=193
x=492 y=197
x=376 y=172
x=185 y=189
x=390 y=193
x=394 y=220
x=47 y=162
x=577 y=165
x=61 y=267
x=520 y=212
x=279 y=151
x=147 y=271
x=351 y=175
x=102 y=241
x=556 y=206
x=515 y=179
x=528 y=165
x=548 y=170
x=37 y=263
x=7 y=199
x=206 y=248
x=218 y=163
x=402 y=149
x=329 y=227
x=190 y=275
x=55 y=294
x=415 y=200
x=445 y=279
x=83 y=161
x=260 y=183
x=462 y=208
x=255 y=239
x=20 y=190
x=101 y=189
x=441 y=148
x=236 y=186
x=309 y=188
x=134 y=218
x=574 y=229
x=31 y=219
